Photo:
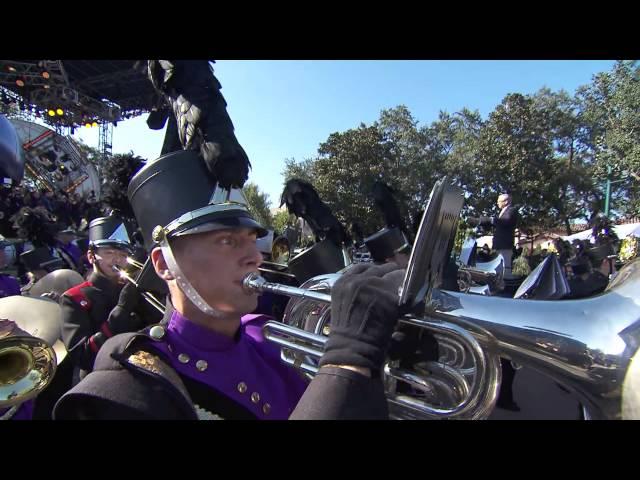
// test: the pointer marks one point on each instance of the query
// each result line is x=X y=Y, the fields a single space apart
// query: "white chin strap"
x=184 y=284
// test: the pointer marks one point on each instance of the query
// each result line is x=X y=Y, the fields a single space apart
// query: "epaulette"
x=134 y=353
x=78 y=296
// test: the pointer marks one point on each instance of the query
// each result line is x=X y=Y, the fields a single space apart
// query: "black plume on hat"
x=35 y=225
x=304 y=202
x=200 y=121
x=118 y=172
x=385 y=200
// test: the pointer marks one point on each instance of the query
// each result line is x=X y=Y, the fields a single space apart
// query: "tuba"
x=588 y=346
x=27 y=366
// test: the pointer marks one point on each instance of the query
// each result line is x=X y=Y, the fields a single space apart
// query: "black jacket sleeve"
x=508 y=219
x=123 y=388
x=339 y=394
x=76 y=333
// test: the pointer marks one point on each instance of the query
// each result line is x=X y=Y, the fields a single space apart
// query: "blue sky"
x=285 y=109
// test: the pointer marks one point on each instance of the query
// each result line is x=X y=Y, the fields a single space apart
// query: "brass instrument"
x=148 y=296
x=27 y=366
x=585 y=345
x=588 y=346
x=484 y=278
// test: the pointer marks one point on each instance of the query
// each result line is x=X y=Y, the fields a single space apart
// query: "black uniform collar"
x=105 y=284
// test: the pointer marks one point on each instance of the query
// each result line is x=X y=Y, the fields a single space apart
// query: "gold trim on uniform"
x=154 y=364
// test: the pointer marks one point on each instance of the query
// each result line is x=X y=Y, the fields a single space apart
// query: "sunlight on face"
x=216 y=263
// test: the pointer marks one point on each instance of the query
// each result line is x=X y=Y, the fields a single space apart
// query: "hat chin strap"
x=184 y=284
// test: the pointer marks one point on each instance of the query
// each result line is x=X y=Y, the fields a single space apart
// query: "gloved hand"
x=129 y=297
x=364 y=313
x=122 y=318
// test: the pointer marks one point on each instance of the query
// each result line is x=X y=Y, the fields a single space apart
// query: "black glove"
x=122 y=318
x=129 y=297
x=364 y=313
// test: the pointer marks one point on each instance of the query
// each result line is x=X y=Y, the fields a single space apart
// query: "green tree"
x=516 y=149
x=611 y=109
x=571 y=189
x=282 y=220
x=258 y=203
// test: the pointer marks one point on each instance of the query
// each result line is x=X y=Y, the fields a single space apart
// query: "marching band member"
x=100 y=307
x=208 y=357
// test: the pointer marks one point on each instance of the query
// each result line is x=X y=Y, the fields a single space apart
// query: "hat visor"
x=112 y=244
x=219 y=222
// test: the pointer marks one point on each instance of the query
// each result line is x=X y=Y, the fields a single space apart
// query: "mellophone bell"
x=30 y=352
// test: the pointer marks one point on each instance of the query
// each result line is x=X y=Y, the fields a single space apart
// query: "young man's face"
x=105 y=258
x=216 y=262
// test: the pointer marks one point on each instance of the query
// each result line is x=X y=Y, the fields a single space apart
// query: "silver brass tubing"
x=253 y=283
x=153 y=301
x=267 y=270
x=274 y=264
x=134 y=262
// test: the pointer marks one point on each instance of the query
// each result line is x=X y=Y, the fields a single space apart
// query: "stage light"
x=20 y=82
x=94 y=124
x=45 y=75
x=11 y=69
x=88 y=125
x=46 y=86
x=59 y=111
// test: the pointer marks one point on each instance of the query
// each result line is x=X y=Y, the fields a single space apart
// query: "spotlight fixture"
x=51 y=113
x=20 y=82
x=94 y=124
x=46 y=75
x=59 y=111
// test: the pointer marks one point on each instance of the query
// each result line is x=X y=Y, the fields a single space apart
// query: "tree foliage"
x=550 y=150
x=258 y=204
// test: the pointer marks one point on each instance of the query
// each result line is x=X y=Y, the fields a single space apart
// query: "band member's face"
x=216 y=262
x=105 y=258
x=502 y=201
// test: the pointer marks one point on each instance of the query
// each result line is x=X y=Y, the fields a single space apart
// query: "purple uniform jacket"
x=24 y=411
x=72 y=251
x=8 y=286
x=247 y=369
